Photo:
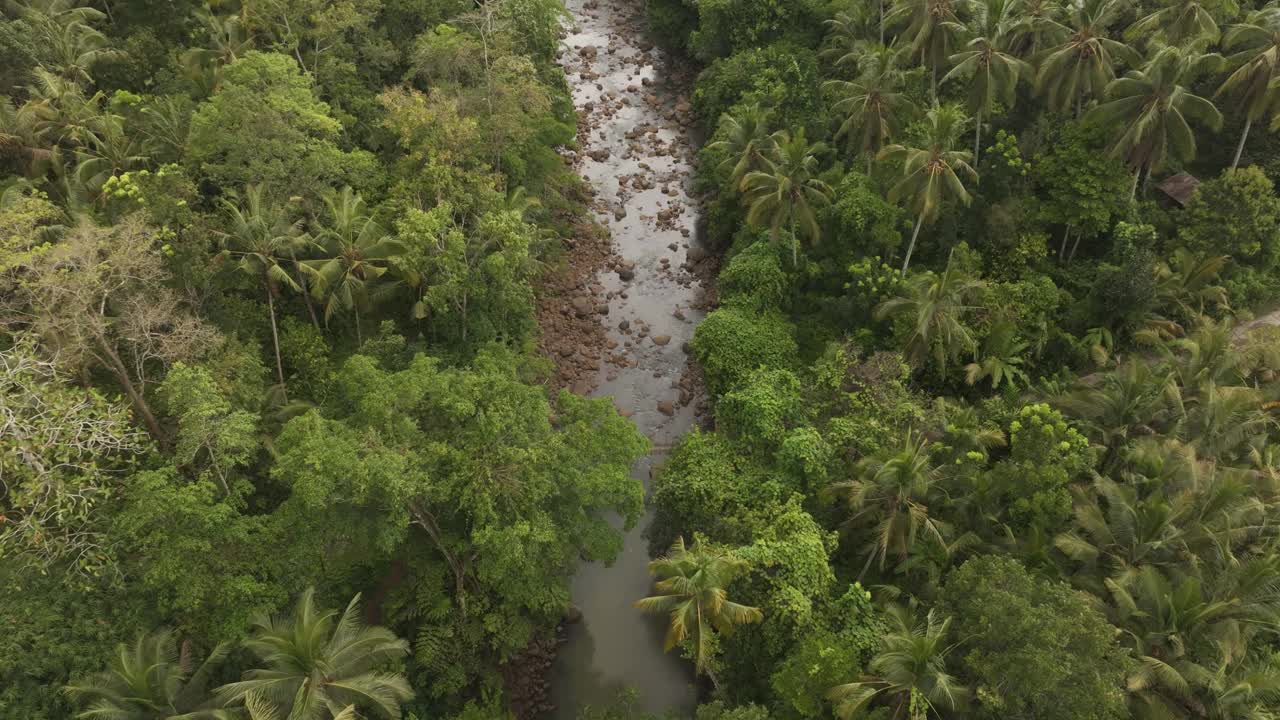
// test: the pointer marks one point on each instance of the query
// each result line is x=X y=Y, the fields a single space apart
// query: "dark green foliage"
x=862 y=223
x=670 y=22
x=726 y=27
x=1034 y=647
x=780 y=76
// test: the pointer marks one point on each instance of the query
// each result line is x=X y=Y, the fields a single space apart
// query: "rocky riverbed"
x=617 y=322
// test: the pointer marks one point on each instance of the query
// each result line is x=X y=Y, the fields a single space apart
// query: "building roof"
x=1180 y=187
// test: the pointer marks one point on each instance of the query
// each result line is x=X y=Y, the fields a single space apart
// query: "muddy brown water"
x=618 y=87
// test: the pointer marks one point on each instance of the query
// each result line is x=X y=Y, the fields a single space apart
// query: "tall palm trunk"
x=911 y=246
x=306 y=291
x=275 y=338
x=882 y=22
x=1133 y=189
x=1062 y=251
x=977 y=135
x=1248 y=122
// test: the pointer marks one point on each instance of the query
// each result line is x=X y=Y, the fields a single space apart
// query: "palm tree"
x=692 y=590
x=262 y=237
x=358 y=251
x=1082 y=65
x=931 y=172
x=930 y=29
x=1177 y=23
x=113 y=151
x=1255 y=63
x=746 y=142
x=150 y=680
x=987 y=61
x=848 y=32
x=320 y=662
x=70 y=47
x=1001 y=358
x=785 y=191
x=1151 y=107
x=873 y=104
x=935 y=306
x=891 y=492
x=1038 y=23
x=910 y=664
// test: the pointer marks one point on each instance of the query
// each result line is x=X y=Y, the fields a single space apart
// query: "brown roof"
x=1180 y=187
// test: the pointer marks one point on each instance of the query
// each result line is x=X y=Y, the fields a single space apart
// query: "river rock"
x=582 y=306
x=661 y=339
x=666 y=407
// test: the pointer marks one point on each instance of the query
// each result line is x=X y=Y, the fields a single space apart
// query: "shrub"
x=732 y=342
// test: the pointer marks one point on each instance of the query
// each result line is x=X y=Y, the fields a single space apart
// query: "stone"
x=626 y=274
x=661 y=339
x=666 y=407
x=582 y=306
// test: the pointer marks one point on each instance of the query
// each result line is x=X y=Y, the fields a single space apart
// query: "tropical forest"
x=639 y=359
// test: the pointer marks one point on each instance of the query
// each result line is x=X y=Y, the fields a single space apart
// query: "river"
x=636 y=155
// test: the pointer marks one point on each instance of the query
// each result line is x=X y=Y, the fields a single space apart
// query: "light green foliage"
x=1046 y=455
x=706 y=487
x=28 y=221
x=1034 y=647
x=827 y=654
x=760 y=410
x=731 y=342
x=807 y=456
x=789 y=578
x=508 y=493
x=1235 y=214
x=200 y=561
x=719 y=711
x=754 y=279
x=1082 y=188
x=213 y=439
x=871 y=281
x=867 y=399
x=474 y=282
x=265 y=125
